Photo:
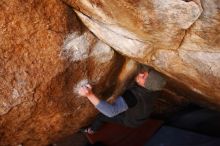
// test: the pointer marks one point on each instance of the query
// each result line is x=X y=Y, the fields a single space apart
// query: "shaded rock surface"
x=178 y=38
x=196 y=63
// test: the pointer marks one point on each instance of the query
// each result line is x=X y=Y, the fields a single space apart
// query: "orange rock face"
x=39 y=79
x=49 y=48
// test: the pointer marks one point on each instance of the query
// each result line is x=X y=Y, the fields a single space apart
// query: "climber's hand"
x=85 y=90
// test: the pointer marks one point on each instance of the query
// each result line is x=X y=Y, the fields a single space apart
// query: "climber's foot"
x=87 y=130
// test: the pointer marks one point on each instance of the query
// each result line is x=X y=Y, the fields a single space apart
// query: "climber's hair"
x=141 y=68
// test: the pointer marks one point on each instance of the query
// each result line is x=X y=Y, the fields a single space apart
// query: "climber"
x=131 y=109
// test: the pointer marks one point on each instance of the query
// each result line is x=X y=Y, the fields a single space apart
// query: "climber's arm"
x=110 y=110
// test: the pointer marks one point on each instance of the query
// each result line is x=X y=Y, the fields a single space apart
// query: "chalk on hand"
x=79 y=85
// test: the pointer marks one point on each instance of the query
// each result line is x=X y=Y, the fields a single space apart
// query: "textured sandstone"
x=179 y=38
x=40 y=67
x=196 y=63
x=140 y=27
x=47 y=54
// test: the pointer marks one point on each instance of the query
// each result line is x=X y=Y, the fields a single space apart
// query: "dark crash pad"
x=170 y=136
x=117 y=135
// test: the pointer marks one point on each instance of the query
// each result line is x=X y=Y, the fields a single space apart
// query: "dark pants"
x=101 y=119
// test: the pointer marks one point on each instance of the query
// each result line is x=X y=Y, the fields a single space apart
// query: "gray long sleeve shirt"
x=111 y=110
x=136 y=105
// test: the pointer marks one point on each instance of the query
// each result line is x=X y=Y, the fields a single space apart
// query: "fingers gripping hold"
x=85 y=90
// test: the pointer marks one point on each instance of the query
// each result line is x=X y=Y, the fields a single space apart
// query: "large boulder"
x=196 y=63
x=46 y=54
x=179 y=38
